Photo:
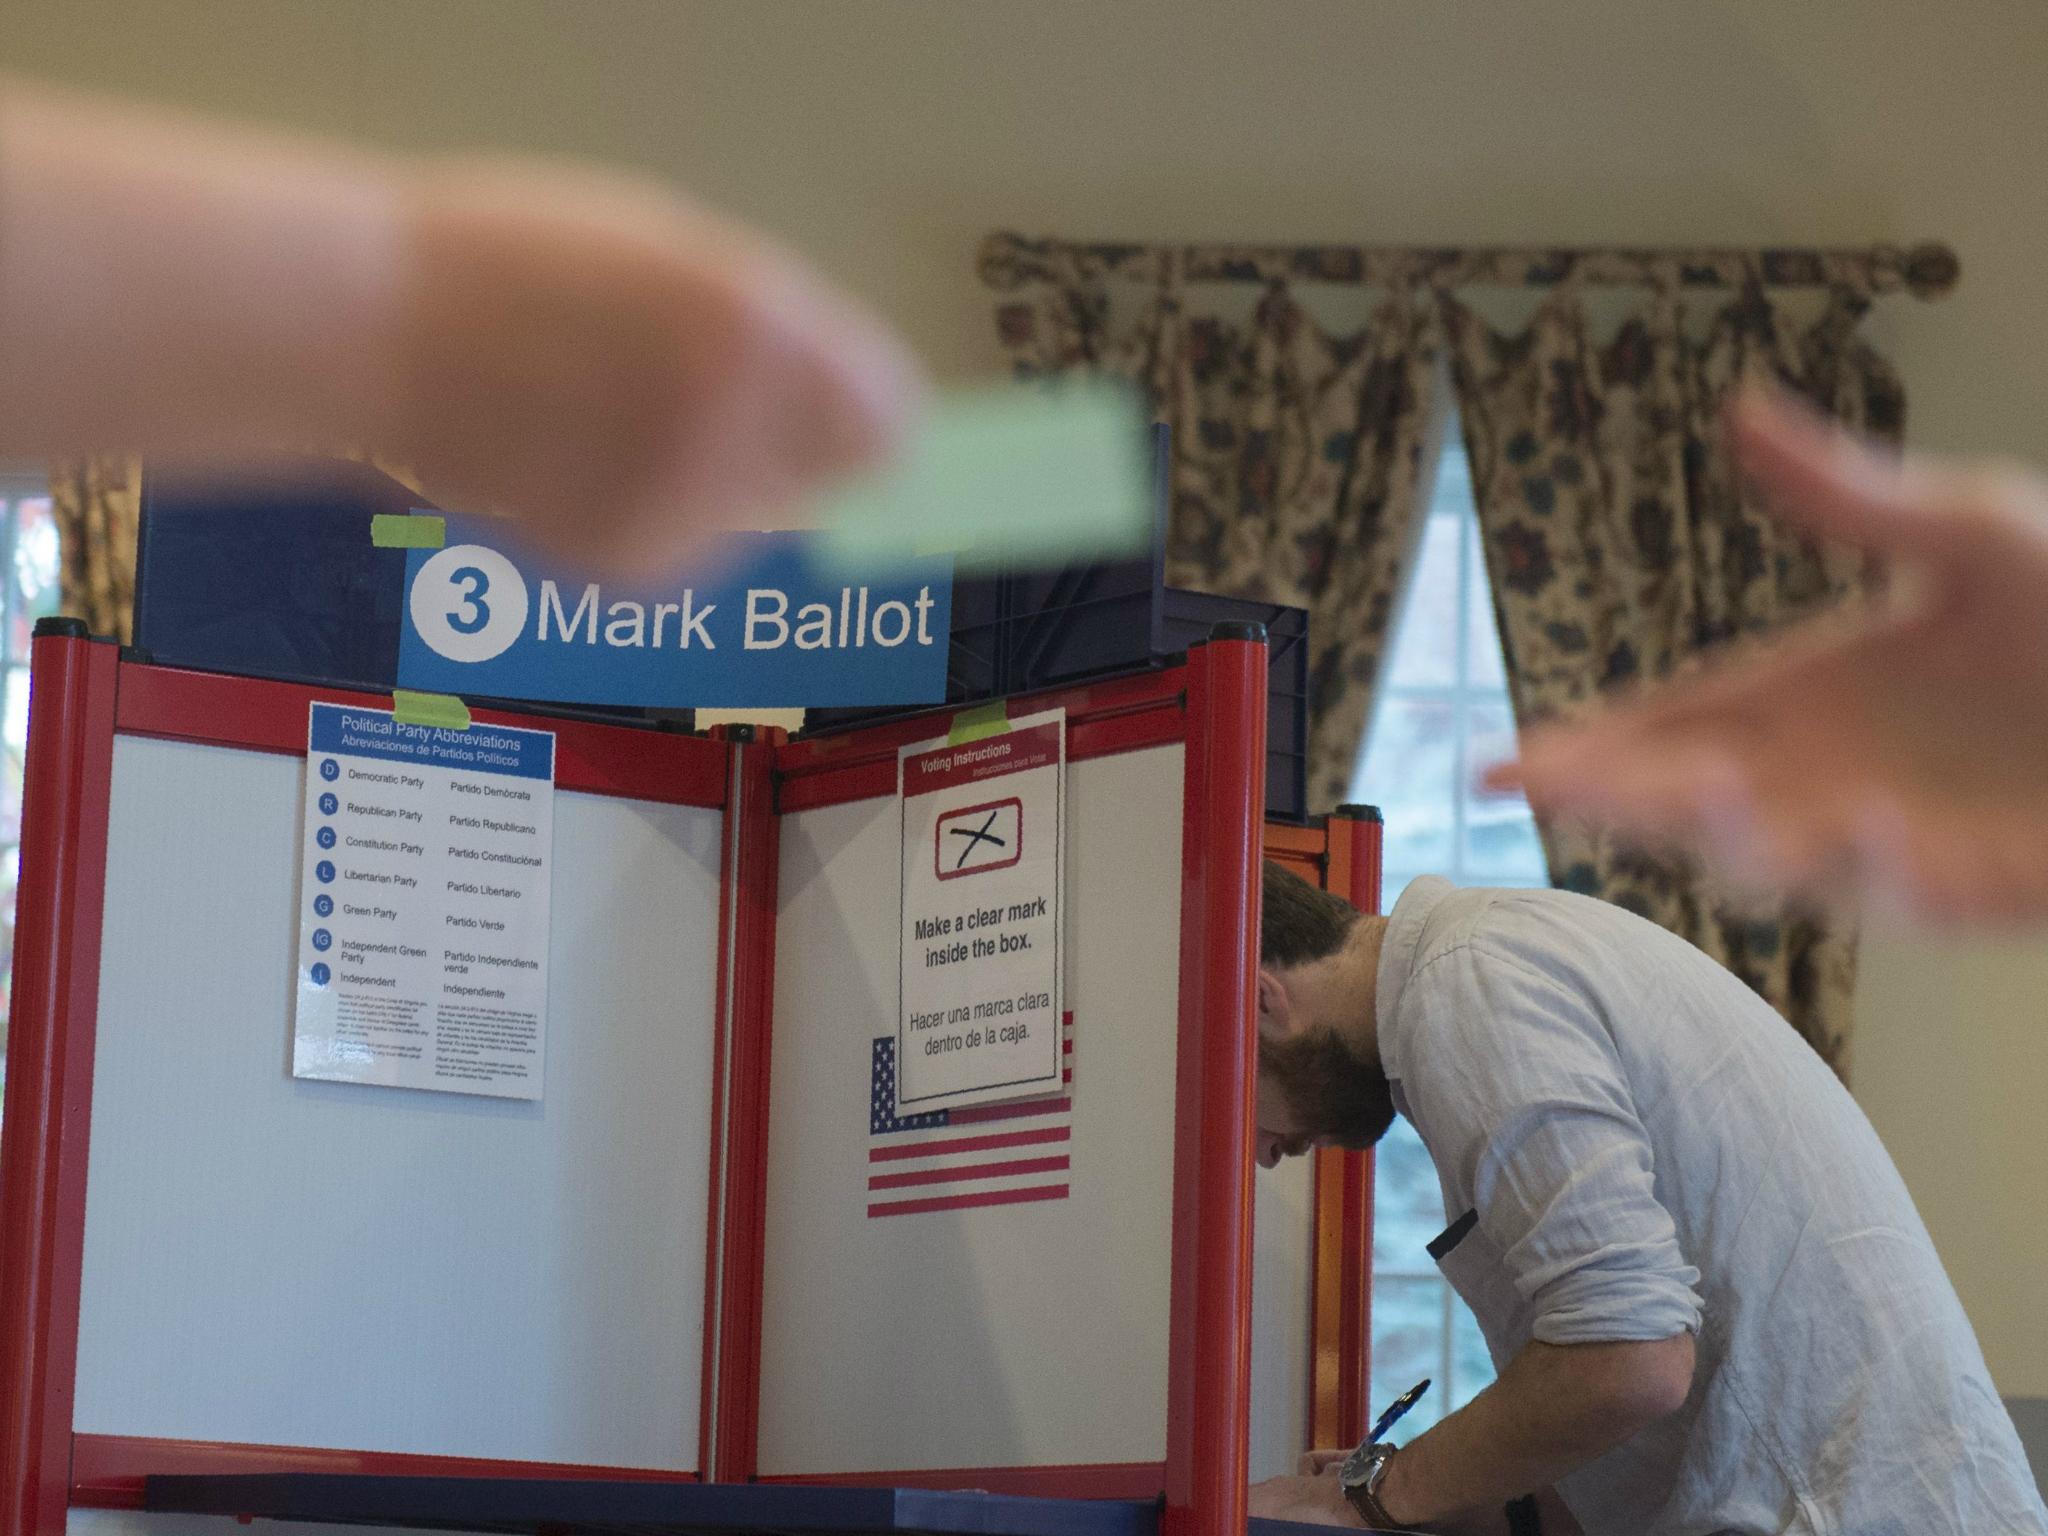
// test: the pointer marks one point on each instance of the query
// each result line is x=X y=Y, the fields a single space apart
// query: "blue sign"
x=479 y=749
x=770 y=627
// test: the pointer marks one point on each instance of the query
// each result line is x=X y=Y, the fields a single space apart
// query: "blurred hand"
x=628 y=373
x=1899 y=757
x=595 y=353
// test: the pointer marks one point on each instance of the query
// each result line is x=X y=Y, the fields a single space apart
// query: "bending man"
x=1711 y=1302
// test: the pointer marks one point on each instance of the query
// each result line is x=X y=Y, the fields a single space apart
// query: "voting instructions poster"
x=423 y=904
x=984 y=840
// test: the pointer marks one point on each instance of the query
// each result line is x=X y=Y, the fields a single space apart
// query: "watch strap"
x=1364 y=1498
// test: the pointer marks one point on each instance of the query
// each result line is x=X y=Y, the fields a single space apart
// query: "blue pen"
x=1400 y=1406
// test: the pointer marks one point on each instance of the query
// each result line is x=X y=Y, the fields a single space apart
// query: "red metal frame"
x=1341 y=1193
x=721 y=1054
x=65 y=787
x=732 y=1402
x=269 y=716
x=83 y=696
x=1124 y=714
x=1215 y=703
x=1209 y=1354
x=1305 y=850
x=1341 y=1361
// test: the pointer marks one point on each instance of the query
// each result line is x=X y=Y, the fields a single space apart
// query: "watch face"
x=1357 y=1467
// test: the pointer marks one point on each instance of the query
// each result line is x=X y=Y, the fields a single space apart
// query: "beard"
x=1331 y=1095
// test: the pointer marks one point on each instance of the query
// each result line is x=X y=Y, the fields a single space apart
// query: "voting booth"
x=704 y=1270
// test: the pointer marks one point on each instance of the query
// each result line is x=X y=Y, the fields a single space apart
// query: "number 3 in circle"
x=468 y=603
x=478 y=613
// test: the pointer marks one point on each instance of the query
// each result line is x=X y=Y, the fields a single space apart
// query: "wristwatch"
x=1360 y=1477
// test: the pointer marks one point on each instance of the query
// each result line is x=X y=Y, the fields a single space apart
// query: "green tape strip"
x=991 y=719
x=401 y=530
x=442 y=709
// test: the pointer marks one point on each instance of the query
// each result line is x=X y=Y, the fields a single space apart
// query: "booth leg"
x=1209 y=1369
x=732 y=1366
x=66 y=782
x=1343 y=1234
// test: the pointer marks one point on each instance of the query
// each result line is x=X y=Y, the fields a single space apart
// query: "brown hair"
x=1299 y=923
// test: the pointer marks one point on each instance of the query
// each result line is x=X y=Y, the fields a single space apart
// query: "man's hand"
x=1321 y=1466
x=1315 y=1498
x=1552 y=1410
x=1900 y=758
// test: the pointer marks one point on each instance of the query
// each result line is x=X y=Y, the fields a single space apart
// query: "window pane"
x=1418 y=767
x=28 y=572
x=10 y=872
x=35 y=556
x=1452 y=491
x=1395 y=881
x=1471 y=1362
x=1407 y=1202
x=14 y=720
x=1483 y=662
x=1408 y=773
x=1426 y=643
x=31 y=573
x=10 y=798
x=1501 y=845
x=1407 y=1334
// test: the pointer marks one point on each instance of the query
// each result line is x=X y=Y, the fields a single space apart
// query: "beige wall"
x=885 y=136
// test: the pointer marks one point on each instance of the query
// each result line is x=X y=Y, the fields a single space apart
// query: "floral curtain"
x=1621 y=546
x=1297 y=470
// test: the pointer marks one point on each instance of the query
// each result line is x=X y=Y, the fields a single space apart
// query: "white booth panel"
x=1283 y=1302
x=325 y=1264
x=1024 y=1335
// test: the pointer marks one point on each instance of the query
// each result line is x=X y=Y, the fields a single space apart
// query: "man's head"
x=1320 y=1081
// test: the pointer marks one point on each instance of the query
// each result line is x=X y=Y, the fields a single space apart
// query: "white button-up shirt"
x=1649 y=1149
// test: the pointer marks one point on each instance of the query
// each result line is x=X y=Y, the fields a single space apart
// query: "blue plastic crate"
x=1028 y=631
x=272 y=574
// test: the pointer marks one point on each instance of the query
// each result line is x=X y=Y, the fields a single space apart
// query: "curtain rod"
x=1927 y=271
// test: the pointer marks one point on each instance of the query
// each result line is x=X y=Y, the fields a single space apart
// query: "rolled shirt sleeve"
x=1516 y=1089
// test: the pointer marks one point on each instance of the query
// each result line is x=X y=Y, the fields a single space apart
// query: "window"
x=28 y=591
x=1442 y=715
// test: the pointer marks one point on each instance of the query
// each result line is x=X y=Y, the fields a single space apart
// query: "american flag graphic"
x=951 y=1159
